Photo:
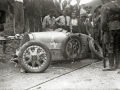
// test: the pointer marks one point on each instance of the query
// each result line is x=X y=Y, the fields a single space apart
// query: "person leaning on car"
x=49 y=22
x=63 y=21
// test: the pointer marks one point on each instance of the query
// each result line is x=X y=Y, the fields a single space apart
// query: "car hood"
x=53 y=40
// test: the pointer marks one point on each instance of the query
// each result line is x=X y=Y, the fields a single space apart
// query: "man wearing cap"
x=111 y=26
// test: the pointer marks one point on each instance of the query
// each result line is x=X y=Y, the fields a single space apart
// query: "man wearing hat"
x=82 y=24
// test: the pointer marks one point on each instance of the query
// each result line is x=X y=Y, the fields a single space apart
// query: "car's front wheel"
x=34 y=57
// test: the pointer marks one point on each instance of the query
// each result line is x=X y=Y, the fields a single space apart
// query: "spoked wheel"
x=96 y=49
x=35 y=57
x=72 y=47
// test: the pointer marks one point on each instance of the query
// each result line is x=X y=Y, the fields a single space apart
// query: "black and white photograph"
x=59 y=44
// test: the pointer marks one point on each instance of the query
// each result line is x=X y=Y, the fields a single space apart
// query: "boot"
x=111 y=63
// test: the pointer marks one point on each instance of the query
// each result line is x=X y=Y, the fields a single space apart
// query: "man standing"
x=18 y=16
x=69 y=8
x=64 y=3
x=59 y=8
x=33 y=11
x=97 y=24
x=111 y=11
x=77 y=8
x=37 y=10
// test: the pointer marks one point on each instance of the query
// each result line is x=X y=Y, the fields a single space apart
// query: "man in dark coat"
x=77 y=8
x=69 y=8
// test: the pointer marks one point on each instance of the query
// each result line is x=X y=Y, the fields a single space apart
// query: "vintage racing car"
x=38 y=49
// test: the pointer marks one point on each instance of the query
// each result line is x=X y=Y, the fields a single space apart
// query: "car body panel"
x=54 y=40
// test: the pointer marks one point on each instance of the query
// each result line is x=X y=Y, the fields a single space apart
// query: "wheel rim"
x=34 y=57
x=73 y=47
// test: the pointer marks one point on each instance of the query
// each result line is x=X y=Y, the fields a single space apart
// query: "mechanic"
x=18 y=16
x=110 y=16
x=63 y=21
x=74 y=23
x=49 y=22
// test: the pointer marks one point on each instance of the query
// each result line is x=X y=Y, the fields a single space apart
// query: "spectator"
x=90 y=26
x=77 y=8
x=37 y=11
x=49 y=22
x=59 y=8
x=45 y=8
x=53 y=4
x=63 y=21
x=18 y=16
x=69 y=8
x=64 y=4
x=74 y=23
x=82 y=24
x=83 y=9
x=33 y=11
x=96 y=19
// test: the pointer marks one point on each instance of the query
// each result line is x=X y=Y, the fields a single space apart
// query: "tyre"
x=71 y=47
x=96 y=49
x=34 y=57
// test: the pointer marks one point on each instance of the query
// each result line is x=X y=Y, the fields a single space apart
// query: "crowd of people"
x=48 y=15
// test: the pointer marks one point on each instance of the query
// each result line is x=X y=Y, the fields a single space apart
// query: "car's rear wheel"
x=96 y=49
x=34 y=57
x=71 y=47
